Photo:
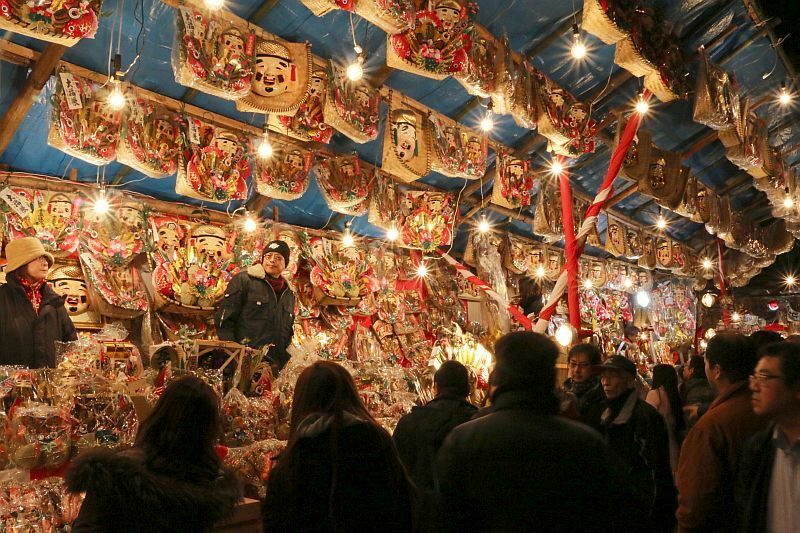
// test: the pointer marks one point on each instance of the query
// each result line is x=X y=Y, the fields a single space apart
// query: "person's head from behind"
x=581 y=360
x=325 y=388
x=695 y=368
x=730 y=358
x=665 y=376
x=525 y=361
x=617 y=376
x=179 y=435
x=763 y=337
x=452 y=379
x=776 y=381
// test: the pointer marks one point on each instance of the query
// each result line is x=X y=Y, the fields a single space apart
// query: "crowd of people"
x=716 y=450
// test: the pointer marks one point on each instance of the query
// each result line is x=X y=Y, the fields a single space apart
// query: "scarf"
x=277 y=284
x=619 y=410
x=33 y=291
x=579 y=389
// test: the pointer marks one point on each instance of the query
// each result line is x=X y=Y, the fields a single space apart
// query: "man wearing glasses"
x=582 y=379
x=768 y=485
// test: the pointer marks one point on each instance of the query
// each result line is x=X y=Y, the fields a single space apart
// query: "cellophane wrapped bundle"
x=61 y=22
x=42 y=506
x=39 y=435
x=253 y=464
x=248 y=420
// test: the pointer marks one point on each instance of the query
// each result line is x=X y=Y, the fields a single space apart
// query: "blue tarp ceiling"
x=147 y=32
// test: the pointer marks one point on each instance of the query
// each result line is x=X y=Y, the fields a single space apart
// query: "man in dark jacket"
x=769 y=470
x=583 y=381
x=258 y=307
x=32 y=316
x=696 y=392
x=522 y=467
x=420 y=433
x=636 y=432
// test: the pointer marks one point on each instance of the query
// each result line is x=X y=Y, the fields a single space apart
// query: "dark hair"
x=665 y=376
x=591 y=351
x=525 y=360
x=734 y=353
x=452 y=378
x=763 y=337
x=698 y=366
x=179 y=435
x=530 y=296
x=789 y=355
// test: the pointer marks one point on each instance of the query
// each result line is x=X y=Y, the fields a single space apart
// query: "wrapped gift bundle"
x=719 y=216
x=213 y=166
x=515 y=93
x=308 y=123
x=352 y=108
x=284 y=175
x=344 y=181
x=392 y=16
x=480 y=76
x=548 y=222
x=83 y=124
x=53 y=218
x=385 y=203
x=63 y=23
x=213 y=54
x=281 y=76
x=40 y=436
x=716 y=101
x=633 y=242
x=150 y=138
x=563 y=120
x=117 y=292
x=514 y=180
x=406 y=142
x=437 y=44
x=457 y=151
x=747 y=145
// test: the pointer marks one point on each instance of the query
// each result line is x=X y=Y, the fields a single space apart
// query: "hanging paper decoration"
x=554 y=261
x=665 y=254
x=340 y=275
x=308 y=123
x=633 y=243
x=285 y=174
x=281 y=76
x=352 y=107
x=516 y=88
x=63 y=23
x=547 y=221
x=648 y=257
x=392 y=16
x=213 y=55
x=578 y=212
x=83 y=124
x=437 y=45
x=564 y=120
x=458 y=152
x=716 y=101
x=666 y=178
x=517 y=255
x=636 y=165
x=344 y=181
x=479 y=77
x=53 y=218
x=514 y=180
x=114 y=240
x=616 y=238
x=150 y=138
x=747 y=144
x=426 y=219
x=118 y=292
x=406 y=145
x=213 y=166
x=609 y=21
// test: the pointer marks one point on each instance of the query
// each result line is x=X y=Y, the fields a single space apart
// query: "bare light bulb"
x=565 y=334
x=487 y=123
x=347 y=239
x=250 y=225
x=790 y=280
x=627 y=283
x=736 y=317
x=392 y=234
x=484 y=226
x=116 y=99
x=707 y=264
x=587 y=284
x=703 y=344
x=710 y=333
x=642 y=106
x=214 y=4
x=643 y=298
x=556 y=167
x=422 y=270
x=265 y=149
x=788 y=202
x=540 y=272
x=578 y=49
x=784 y=97
x=355 y=70
x=661 y=223
x=708 y=299
x=101 y=205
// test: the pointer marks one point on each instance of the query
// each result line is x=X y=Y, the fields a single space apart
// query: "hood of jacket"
x=122 y=479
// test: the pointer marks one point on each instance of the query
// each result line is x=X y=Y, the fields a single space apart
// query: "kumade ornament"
x=648 y=258
x=53 y=218
x=608 y=20
x=352 y=107
x=285 y=174
x=616 y=238
x=59 y=22
x=563 y=120
x=437 y=45
x=113 y=240
x=516 y=257
x=480 y=76
x=547 y=221
x=516 y=88
x=213 y=54
x=308 y=123
x=344 y=181
x=664 y=254
x=83 y=124
x=514 y=180
x=406 y=144
x=384 y=202
x=213 y=165
x=392 y=16
x=150 y=138
x=281 y=77
x=426 y=219
x=457 y=151
x=118 y=292
x=716 y=102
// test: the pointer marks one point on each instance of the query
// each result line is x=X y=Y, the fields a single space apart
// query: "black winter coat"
x=250 y=313
x=523 y=468
x=637 y=434
x=753 y=481
x=124 y=496
x=419 y=435
x=345 y=480
x=25 y=338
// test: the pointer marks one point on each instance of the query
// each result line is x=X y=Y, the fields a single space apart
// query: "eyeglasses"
x=573 y=364
x=762 y=378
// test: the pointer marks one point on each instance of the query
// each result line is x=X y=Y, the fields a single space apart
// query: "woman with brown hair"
x=340 y=470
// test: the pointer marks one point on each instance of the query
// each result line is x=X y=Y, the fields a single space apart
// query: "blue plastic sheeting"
x=147 y=29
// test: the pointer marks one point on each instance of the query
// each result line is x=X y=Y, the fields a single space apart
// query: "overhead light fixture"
x=116 y=98
x=643 y=299
x=487 y=122
x=556 y=167
x=250 y=224
x=540 y=272
x=101 y=205
x=736 y=317
x=709 y=299
x=265 y=149
x=784 y=96
x=710 y=333
x=347 y=239
x=578 y=49
x=355 y=70
x=565 y=335
x=642 y=105
x=661 y=223
x=627 y=282
x=788 y=202
x=392 y=234
x=587 y=284
x=422 y=270
x=214 y=4
x=483 y=225
x=790 y=280
x=707 y=264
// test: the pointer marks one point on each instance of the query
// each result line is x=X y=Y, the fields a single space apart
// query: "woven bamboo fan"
x=392 y=16
x=284 y=175
x=648 y=258
x=628 y=56
x=150 y=138
x=406 y=142
x=54 y=218
x=513 y=182
x=666 y=178
x=281 y=77
x=117 y=292
x=636 y=164
x=598 y=21
x=352 y=107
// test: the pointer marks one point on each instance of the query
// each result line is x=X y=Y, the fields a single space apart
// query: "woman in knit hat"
x=32 y=315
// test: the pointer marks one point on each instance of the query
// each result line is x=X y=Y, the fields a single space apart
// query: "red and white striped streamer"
x=590 y=219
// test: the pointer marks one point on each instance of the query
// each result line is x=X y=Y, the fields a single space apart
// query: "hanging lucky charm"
x=62 y=22
x=308 y=123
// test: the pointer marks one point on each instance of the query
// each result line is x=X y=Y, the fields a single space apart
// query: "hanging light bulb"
x=556 y=167
x=642 y=105
x=643 y=299
x=116 y=99
x=788 y=202
x=707 y=264
x=790 y=280
x=703 y=344
x=101 y=205
x=627 y=283
x=347 y=239
x=736 y=317
x=214 y=4
x=250 y=224
x=587 y=284
x=265 y=147
x=709 y=299
x=661 y=223
x=487 y=122
x=578 y=49
x=565 y=334
x=540 y=272
x=784 y=96
x=422 y=270
x=392 y=234
x=355 y=70
x=483 y=225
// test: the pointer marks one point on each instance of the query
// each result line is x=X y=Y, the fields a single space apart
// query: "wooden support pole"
x=617 y=198
x=40 y=73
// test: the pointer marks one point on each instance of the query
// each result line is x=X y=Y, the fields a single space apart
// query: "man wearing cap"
x=636 y=432
x=32 y=316
x=258 y=307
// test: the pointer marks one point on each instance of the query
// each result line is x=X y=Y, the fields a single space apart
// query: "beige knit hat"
x=20 y=252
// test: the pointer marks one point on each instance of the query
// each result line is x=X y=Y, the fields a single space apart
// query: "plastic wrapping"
x=150 y=138
x=39 y=436
x=547 y=221
x=284 y=175
x=63 y=23
x=514 y=179
x=352 y=108
x=406 y=141
x=457 y=152
x=117 y=292
x=53 y=218
x=716 y=96
x=479 y=77
x=253 y=464
x=37 y=506
x=308 y=123
x=248 y=420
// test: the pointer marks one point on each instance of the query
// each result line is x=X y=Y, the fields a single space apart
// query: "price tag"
x=15 y=202
x=188 y=21
x=72 y=90
x=194 y=131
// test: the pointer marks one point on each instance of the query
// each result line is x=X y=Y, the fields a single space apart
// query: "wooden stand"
x=246 y=518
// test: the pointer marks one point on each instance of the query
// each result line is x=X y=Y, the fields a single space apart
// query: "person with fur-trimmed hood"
x=171 y=479
x=258 y=307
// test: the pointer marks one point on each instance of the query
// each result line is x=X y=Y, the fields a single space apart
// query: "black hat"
x=279 y=247
x=618 y=362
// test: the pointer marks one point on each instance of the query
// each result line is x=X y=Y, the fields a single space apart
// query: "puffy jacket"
x=25 y=338
x=251 y=313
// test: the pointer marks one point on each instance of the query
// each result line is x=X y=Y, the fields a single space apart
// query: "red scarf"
x=277 y=284
x=33 y=291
